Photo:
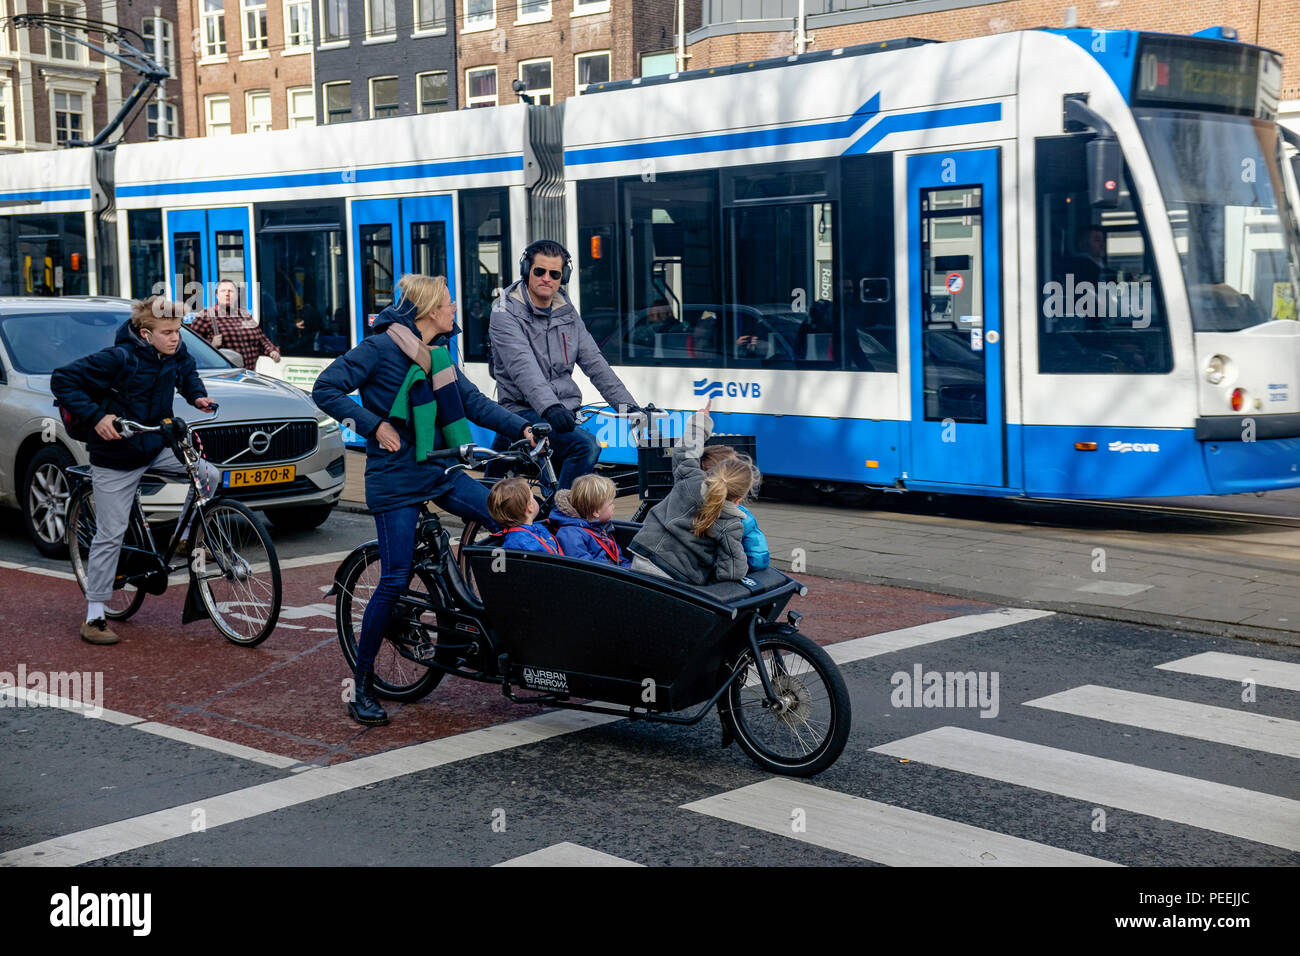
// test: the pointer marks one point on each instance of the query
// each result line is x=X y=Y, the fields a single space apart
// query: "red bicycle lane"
x=285 y=696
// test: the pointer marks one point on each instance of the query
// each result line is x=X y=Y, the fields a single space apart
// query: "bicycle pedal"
x=424 y=652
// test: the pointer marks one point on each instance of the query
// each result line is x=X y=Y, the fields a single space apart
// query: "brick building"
x=53 y=89
x=247 y=67
x=557 y=47
x=733 y=31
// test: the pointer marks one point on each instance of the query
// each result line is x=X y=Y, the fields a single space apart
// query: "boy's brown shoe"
x=97 y=632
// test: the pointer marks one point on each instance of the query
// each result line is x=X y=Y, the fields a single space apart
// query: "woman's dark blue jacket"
x=377 y=367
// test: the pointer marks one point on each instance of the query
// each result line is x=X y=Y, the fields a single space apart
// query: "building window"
x=430 y=16
x=533 y=11
x=217 y=110
x=297 y=24
x=480 y=14
x=254 y=25
x=213 y=15
x=6 y=114
x=69 y=115
x=381 y=18
x=338 y=102
x=334 y=21
x=589 y=6
x=257 y=115
x=434 y=92
x=158 y=42
x=62 y=48
x=536 y=77
x=591 y=68
x=481 y=87
x=383 y=96
x=161 y=120
x=302 y=107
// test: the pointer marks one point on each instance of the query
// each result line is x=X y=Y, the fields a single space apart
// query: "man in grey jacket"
x=537 y=337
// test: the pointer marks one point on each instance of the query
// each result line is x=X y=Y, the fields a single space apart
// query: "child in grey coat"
x=695 y=535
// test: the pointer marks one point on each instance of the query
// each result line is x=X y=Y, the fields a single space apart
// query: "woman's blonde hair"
x=425 y=293
x=508 y=501
x=590 y=493
x=729 y=479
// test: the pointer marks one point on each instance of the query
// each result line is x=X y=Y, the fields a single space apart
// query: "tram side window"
x=674 y=307
x=49 y=252
x=1100 y=309
x=485 y=263
x=145 y=239
x=596 y=261
x=866 y=277
x=302 y=287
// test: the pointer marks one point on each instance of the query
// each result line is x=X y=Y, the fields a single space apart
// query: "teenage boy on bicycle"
x=136 y=378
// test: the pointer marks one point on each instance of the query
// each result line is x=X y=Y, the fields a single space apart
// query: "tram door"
x=393 y=237
x=205 y=246
x=955 y=320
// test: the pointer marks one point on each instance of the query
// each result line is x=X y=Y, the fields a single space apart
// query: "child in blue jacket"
x=584 y=515
x=754 y=541
x=513 y=506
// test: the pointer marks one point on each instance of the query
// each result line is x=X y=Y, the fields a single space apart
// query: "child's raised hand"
x=707 y=406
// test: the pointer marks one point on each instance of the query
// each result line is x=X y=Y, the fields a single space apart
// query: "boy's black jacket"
x=147 y=388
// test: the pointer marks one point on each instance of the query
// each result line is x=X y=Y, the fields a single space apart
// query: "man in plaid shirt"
x=226 y=325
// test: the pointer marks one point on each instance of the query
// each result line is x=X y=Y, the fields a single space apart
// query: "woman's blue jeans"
x=396 y=528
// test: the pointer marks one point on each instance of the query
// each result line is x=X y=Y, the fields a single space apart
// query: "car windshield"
x=40 y=342
x=1240 y=249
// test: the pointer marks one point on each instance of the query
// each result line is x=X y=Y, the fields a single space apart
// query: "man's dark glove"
x=560 y=418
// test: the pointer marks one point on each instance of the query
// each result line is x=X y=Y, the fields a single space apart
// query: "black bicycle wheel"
x=126 y=600
x=807 y=731
x=472 y=533
x=398 y=676
x=233 y=562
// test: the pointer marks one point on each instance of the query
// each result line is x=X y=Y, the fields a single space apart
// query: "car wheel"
x=303 y=518
x=45 y=500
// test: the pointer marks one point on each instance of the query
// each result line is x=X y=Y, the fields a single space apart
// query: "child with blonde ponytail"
x=695 y=535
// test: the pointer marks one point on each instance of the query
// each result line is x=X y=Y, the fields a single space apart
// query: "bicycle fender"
x=356 y=554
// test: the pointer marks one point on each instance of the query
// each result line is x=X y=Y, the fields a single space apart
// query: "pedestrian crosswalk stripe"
x=874 y=645
x=1238 y=667
x=874 y=831
x=1223 y=725
x=1238 y=812
x=567 y=854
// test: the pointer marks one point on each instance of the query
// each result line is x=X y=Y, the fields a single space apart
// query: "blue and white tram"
x=922 y=266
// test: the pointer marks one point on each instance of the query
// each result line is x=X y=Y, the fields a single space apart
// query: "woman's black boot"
x=364 y=708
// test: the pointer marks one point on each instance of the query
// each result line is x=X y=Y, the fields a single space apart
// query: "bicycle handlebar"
x=126 y=427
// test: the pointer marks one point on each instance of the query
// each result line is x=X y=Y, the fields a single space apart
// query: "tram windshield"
x=1238 y=242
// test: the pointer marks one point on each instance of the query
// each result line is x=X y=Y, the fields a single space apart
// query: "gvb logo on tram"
x=712 y=388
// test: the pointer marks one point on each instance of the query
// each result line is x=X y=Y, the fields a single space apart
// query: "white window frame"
x=416 y=30
x=249 y=97
x=577 y=72
x=166 y=57
x=296 y=119
x=521 y=17
x=326 y=44
x=7 y=137
x=371 y=36
x=78 y=51
x=472 y=100
x=56 y=92
x=489 y=23
x=546 y=90
x=370 y=83
x=325 y=101
x=208 y=102
x=585 y=8
x=291 y=48
x=219 y=16
x=166 y=126
x=419 y=96
x=251 y=52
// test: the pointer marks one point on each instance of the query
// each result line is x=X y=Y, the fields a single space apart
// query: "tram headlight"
x=1217 y=369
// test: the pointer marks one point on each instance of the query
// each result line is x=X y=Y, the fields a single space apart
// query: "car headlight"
x=327 y=426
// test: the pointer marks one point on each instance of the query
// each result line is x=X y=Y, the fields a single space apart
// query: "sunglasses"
x=556 y=274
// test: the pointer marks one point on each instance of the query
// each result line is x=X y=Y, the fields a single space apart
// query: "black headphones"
x=530 y=253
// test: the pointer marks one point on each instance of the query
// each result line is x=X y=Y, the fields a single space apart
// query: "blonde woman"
x=412 y=333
